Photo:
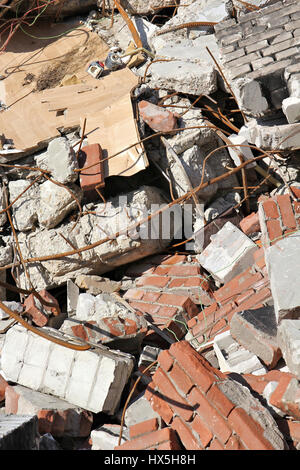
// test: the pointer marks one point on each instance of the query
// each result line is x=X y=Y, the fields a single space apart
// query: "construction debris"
x=150 y=224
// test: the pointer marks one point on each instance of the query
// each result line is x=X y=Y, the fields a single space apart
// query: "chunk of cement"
x=241 y=146
x=3 y=216
x=91 y=379
x=272 y=135
x=56 y=202
x=283 y=260
x=24 y=210
x=291 y=109
x=61 y=160
x=72 y=297
x=12 y=305
x=139 y=410
x=106 y=437
x=233 y=357
x=289 y=342
x=97 y=285
x=229 y=253
x=250 y=97
x=117 y=215
x=184 y=76
x=18 y=432
x=256 y=330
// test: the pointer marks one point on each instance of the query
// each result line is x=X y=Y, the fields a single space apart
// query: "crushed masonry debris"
x=149 y=225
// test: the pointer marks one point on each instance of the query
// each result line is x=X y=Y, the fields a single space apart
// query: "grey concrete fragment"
x=106 y=437
x=229 y=253
x=283 y=260
x=139 y=410
x=184 y=76
x=72 y=297
x=91 y=379
x=18 y=432
x=96 y=284
x=116 y=215
x=12 y=305
x=55 y=202
x=3 y=216
x=272 y=135
x=233 y=357
x=289 y=341
x=256 y=330
x=24 y=210
x=60 y=160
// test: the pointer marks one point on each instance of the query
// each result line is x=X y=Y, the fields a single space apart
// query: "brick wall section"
x=147 y=436
x=186 y=392
x=263 y=43
x=169 y=289
x=248 y=290
x=279 y=216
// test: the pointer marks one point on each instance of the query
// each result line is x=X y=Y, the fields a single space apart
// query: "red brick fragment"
x=92 y=177
x=286 y=211
x=270 y=209
x=151 y=440
x=274 y=231
x=159 y=119
x=188 y=439
x=40 y=312
x=144 y=427
x=249 y=431
x=250 y=224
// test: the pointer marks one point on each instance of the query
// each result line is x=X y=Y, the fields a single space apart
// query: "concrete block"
x=24 y=210
x=229 y=253
x=97 y=284
x=256 y=330
x=72 y=297
x=283 y=260
x=291 y=109
x=12 y=305
x=272 y=136
x=138 y=411
x=250 y=96
x=106 y=437
x=18 y=432
x=55 y=416
x=234 y=358
x=56 y=202
x=240 y=141
x=289 y=342
x=61 y=160
x=92 y=379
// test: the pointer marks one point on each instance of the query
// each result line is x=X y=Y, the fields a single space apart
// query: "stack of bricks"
x=261 y=45
x=279 y=217
x=170 y=290
x=147 y=435
x=188 y=394
x=247 y=290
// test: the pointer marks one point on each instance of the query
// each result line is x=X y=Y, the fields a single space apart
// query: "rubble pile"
x=149 y=225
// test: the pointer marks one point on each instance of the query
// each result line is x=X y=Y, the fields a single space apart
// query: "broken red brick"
x=159 y=119
x=250 y=224
x=248 y=430
x=40 y=312
x=286 y=211
x=92 y=177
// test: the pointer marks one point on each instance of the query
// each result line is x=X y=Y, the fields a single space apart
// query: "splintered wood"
x=33 y=118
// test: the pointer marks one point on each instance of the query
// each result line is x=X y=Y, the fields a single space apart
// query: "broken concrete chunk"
x=95 y=381
x=272 y=135
x=24 y=210
x=184 y=76
x=96 y=284
x=60 y=160
x=282 y=260
x=291 y=109
x=229 y=253
x=55 y=202
x=233 y=357
x=256 y=330
x=159 y=119
x=138 y=411
x=3 y=216
x=55 y=416
x=18 y=432
x=106 y=437
x=12 y=305
x=241 y=146
x=72 y=297
x=289 y=342
x=118 y=214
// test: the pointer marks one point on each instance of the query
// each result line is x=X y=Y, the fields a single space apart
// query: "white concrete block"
x=93 y=379
x=291 y=109
x=234 y=358
x=289 y=342
x=240 y=141
x=229 y=253
x=106 y=437
x=283 y=261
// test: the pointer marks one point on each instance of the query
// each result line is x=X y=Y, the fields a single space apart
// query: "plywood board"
x=35 y=117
